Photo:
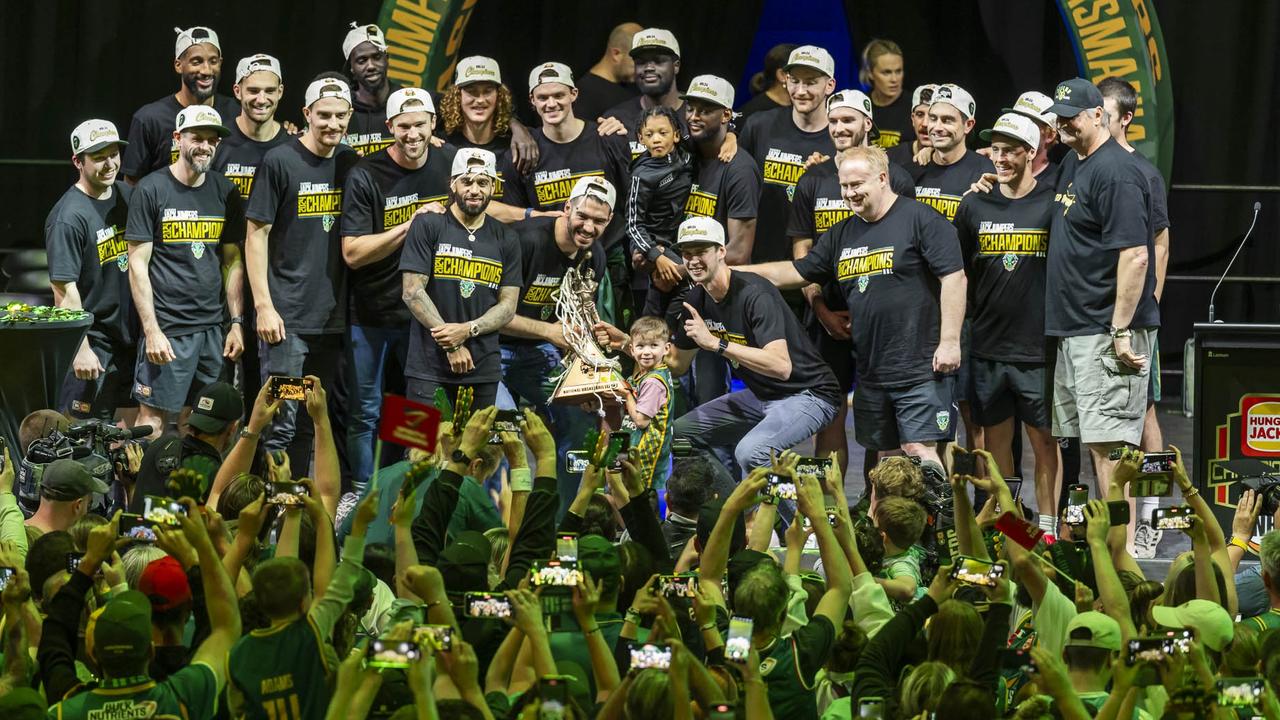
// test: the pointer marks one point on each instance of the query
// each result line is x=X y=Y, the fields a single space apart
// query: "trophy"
x=589 y=373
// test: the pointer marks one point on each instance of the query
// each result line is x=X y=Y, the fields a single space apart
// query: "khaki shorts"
x=1096 y=397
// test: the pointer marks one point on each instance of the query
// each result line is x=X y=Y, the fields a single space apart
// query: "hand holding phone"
x=650 y=655
x=1077 y=498
x=289 y=388
x=972 y=571
x=964 y=462
x=1178 y=517
x=738 y=646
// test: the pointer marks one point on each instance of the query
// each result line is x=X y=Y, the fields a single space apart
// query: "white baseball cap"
x=477 y=68
x=93 y=135
x=654 y=39
x=326 y=88
x=596 y=187
x=362 y=33
x=713 y=89
x=551 y=72
x=1034 y=105
x=853 y=99
x=957 y=97
x=922 y=95
x=1015 y=125
x=474 y=161
x=200 y=116
x=407 y=96
x=255 y=63
x=699 y=230
x=194 y=36
x=812 y=56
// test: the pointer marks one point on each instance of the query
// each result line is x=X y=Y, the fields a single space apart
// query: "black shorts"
x=888 y=418
x=85 y=399
x=1002 y=390
x=963 y=388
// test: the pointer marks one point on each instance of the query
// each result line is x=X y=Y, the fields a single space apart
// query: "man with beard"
x=816 y=207
x=900 y=267
x=294 y=254
x=178 y=218
x=364 y=50
x=88 y=270
x=609 y=81
x=1120 y=100
x=1100 y=288
x=1004 y=236
x=531 y=342
x=781 y=140
x=197 y=58
x=382 y=195
x=656 y=55
x=904 y=153
x=790 y=394
x=461 y=281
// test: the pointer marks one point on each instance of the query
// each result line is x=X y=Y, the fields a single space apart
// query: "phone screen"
x=487 y=605
x=738 y=646
x=438 y=637
x=813 y=466
x=977 y=572
x=781 y=488
x=625 y=439
x=562 y=573
x=678 y=585
x=162 y=510
x=1172 y=518
x=392 y=653
x=286 y=494
x=650 y=655
x=1240 y=691
x=871 y=708
x=504 y=421
x=136 y=528
x=567 y=546
x=1157 y=462
x=964 y=462
x=6 y=574
x=1076 y=500
x=577 y=460
x=290 y=388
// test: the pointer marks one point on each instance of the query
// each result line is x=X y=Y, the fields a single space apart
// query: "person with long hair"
x=881 y=72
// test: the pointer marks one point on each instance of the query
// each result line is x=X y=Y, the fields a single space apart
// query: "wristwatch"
x=460 y=457
x=724 y=345
x=1117 y=332
x=237 y=320
x=475 y=329
x=248 y=434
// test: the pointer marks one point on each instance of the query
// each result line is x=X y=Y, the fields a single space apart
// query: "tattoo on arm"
x=500 y=314
x=419 y=303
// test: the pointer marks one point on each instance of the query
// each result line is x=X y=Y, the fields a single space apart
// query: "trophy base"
x=582 y=382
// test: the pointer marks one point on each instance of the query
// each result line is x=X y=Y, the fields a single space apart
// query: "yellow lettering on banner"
x=459 y=268
x=416 y=30
x=320 y=204
x=1104 y=38
x=459 y=27
x=1096 y=10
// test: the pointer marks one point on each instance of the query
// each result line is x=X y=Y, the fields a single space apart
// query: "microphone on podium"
x=1256 y=207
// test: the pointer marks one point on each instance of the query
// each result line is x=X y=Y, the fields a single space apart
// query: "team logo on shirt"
x=1066 y=199
x=943 y=417
x=187 y=226
x=700 y=203
x=399 y=209
x=319 y=200
x=552 y=187
x=112 y=247
x=466 y=288
x=241 y=176
x=860 y=263
x=936 y=199
x=783 y=168
x=458 y=264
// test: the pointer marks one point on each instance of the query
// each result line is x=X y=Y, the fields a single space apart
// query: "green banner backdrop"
x=423 y=38
x=1122 y=38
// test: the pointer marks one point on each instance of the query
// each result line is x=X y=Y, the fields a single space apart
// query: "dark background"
x=64 y=61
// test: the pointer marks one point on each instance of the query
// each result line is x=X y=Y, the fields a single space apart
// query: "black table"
x=34 y=359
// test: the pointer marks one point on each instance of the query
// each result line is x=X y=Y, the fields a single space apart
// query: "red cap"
x=164 y=582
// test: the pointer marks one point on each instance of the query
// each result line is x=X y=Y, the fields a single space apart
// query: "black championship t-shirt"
x=300 y=195
x=560 y=165
x=151 y=144
x=367 y=131
x=753 y=313
x=889 y=271
x=941 y=186
x=1105 y=203
x=1005 y=244
x=186 y=224
x=84 y=238
x=377 y=196
x=818 y=206
x=596 y=95
x=781 y=149
x=725 y=190
x=239 y=156
x=1159 y=196
x=464 y=277
x=894 y=123
x=543 y=266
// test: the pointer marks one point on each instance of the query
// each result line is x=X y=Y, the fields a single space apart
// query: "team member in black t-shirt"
x=1004 y=235
x=882 y=74
x=790 y=394
x=904 y=153
x=476 y=111
x=364 y=48
x=294 y=256
x=951 y=167
x=382 y=195
x=656 y=55
x=88 y=269
x=178 y=218
x=461 y=281
x=1035 y=105
x=197 y=58
x=532 y=341
x=816 y=207
x=902 y=273
x=782 y=140
x=611 y=80
x=1120 y=100
x=1100 y=288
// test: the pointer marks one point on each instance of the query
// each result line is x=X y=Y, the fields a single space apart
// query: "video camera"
x=1267 y=488
x=88 y=442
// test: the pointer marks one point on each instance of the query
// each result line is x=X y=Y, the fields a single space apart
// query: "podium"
x=1236 y=411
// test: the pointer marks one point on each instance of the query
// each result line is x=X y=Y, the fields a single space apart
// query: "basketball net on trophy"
x=589 y=373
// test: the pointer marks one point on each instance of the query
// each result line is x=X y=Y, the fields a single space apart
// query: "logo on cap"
x=182 y=119
x=101 y=132
x=75 y=143
x=205 y=403
x=1062 y=93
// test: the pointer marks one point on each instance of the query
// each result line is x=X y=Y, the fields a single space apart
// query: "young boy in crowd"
x=900 y=522
x=648 y=415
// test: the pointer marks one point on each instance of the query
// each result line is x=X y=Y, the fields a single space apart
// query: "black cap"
x=68 y=479
x=1074 y=96
x=464 y=563
x=215 y=407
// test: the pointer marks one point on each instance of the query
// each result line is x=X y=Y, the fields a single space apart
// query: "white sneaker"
x=1145 y=541
x=346 y=504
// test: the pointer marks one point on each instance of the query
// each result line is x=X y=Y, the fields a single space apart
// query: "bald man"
x=610 y=81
